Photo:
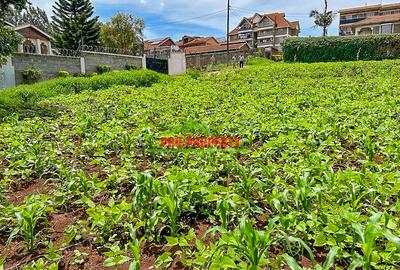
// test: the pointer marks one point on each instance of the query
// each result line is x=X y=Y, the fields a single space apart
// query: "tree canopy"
x=74 y=24
x=30 y=15
x=324 y=19
x=123 y=31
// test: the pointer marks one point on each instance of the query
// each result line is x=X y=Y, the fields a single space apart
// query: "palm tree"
x=324 y=19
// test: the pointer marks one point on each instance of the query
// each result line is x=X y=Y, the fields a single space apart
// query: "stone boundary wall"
x=50 y=65
x=200 y=61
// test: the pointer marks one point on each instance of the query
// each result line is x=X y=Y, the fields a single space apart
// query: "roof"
x=34 y=27
x=155 y=43
x=372 y=7
x=277 y=17
x=9 y=24
x=200 y=40
x=379 y=19
x=214 y=48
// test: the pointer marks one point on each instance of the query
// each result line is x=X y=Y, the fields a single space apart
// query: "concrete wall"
x=7 y=75
x=200 y=61
x=49 y=65
x=176 y=63
x=116 y=61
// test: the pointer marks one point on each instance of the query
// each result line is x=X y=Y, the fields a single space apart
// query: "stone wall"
x=199 y=61
x=49 y=65
x=116 y=61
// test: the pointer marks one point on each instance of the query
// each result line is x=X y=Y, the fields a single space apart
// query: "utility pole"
x=227 y=31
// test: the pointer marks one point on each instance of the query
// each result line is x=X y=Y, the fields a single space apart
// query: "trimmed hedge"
x=331 y=49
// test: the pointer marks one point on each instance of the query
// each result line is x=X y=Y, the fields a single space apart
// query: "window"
x=375 y=30
x=386 y=28
x=44 y=49
x=396 y=28
x=29 y=47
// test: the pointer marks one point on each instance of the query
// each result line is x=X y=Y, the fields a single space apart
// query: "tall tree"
x=324 y=19
x=74 y=24
x=9 y=39
x=30 y=15
x=123 y=31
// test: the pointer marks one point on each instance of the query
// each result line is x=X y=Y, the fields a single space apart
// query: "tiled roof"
x=213 y=48
x=379 y=19
x=154 y=43
x=201 y=40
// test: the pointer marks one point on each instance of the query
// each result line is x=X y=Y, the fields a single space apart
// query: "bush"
x=92 y=74
x=194 y=73
x=330 y=49
x=31 y=75
x=277 y=58
x=131 y=67
x=63 y=74
x=103 y=69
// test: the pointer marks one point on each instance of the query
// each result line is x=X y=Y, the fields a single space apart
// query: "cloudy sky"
x=176 y=18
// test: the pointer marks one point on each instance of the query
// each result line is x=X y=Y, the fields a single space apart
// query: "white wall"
x=177 y=63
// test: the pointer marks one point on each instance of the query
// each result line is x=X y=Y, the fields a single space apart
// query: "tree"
x=74 y=24
x=31 y=15
x=9 y=39
x=324 y=19
x=123 y=31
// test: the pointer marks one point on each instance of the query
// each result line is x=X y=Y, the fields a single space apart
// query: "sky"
x=175 y=18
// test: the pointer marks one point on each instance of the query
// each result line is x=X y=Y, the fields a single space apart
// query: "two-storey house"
x=265 y=31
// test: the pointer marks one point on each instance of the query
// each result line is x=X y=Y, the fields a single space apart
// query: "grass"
x=24 y=99
x=314 y=185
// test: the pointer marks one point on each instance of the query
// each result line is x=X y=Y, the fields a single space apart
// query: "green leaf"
x=291 y=262
x=172 y=241
x=117 y=260
x=330 y=258
x=320 y=240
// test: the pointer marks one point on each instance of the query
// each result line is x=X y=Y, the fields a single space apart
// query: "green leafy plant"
x=31 y=75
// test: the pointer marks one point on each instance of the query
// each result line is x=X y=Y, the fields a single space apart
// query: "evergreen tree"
x=74 y=24
x=31 y=15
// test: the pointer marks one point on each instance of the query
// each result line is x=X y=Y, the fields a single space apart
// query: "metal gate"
x=159 y=65
x=7 y=76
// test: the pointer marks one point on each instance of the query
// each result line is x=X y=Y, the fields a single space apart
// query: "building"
x=34 y=40
x=218 y=48
x=367 y=20
x=190 y=41
x=264 y=31
x=160 y=47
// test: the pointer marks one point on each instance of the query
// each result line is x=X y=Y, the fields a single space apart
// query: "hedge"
x=331 y=49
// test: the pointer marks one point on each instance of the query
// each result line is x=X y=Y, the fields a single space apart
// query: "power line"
x=185 y=20
x=242 y=10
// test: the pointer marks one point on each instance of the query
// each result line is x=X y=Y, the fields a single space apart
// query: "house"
x=34 y=40
x=160 y=47
x=265 y=31
x=367 y=20
x=189 y=41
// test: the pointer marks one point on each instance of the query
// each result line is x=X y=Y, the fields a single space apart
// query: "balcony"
x=244 y=28
x=347 y=21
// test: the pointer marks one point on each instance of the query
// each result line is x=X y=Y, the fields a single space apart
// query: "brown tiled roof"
x=201 y=40
x=234 y=31
x=379 y=19
x=213 y=48
x=155 y=43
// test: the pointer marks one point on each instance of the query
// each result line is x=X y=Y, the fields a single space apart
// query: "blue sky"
x=175 y=18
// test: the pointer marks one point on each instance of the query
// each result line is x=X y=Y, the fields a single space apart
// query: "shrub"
x=31 y=75
x=63 y=74
x=194 y=73
x=330 y=49
x=277 y=58
x=131 y=67
x=92 y=74
x=103 y=69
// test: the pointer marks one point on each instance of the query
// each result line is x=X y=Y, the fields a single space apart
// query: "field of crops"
x=314 y=185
